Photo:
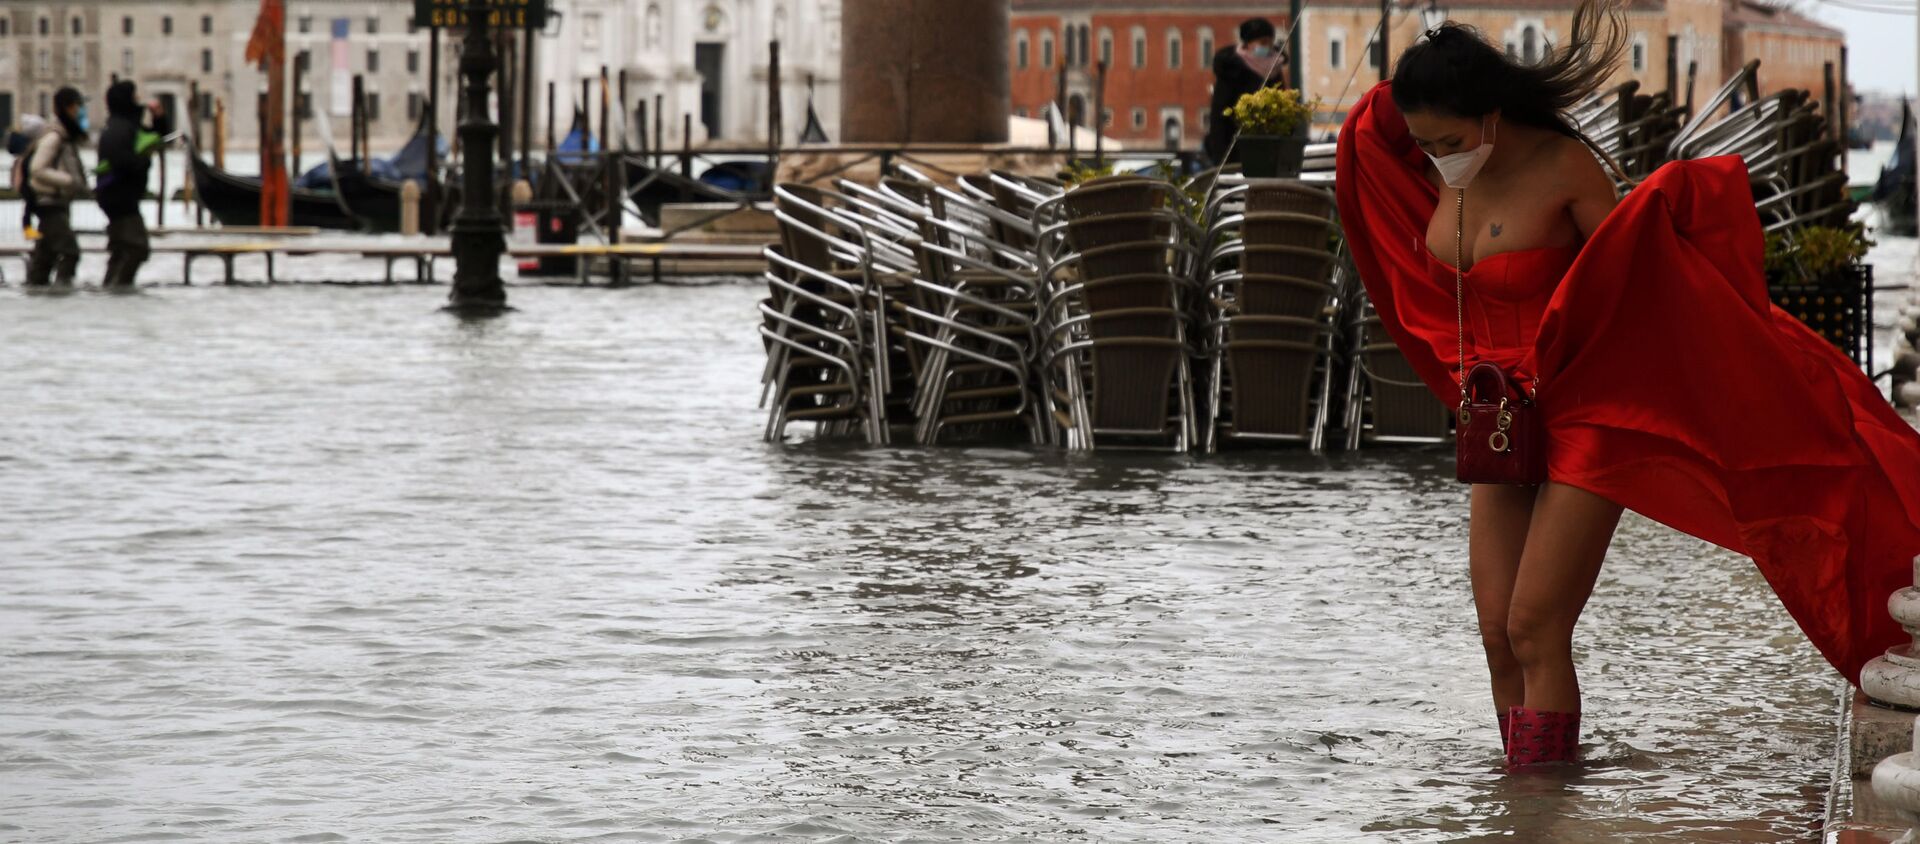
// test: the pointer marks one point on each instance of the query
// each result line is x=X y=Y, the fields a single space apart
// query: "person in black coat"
x=1239 y=70
x=125 y=149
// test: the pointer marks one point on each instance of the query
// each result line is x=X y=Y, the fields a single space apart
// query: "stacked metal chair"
x=1118 y=259
x=1271 y=313
x=1790 y=152
x=973 y=315
x=1636 y=129
x=832 y=323
x=1386 y=402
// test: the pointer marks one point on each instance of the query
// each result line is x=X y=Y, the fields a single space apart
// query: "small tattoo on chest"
x=1496 y=229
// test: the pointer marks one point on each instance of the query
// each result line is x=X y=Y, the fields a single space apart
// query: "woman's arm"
x=1591 y=193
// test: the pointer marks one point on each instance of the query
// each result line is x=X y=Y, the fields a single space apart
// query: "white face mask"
x=1459 y=168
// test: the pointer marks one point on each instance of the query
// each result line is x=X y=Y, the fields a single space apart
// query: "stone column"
x=1882 y=717
x=924 y=71
x=1906 y=356
x=1894 y=678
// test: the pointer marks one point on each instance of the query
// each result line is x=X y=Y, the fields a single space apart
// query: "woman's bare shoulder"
x=1578 y=167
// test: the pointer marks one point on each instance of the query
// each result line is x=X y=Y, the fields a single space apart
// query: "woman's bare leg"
x=1566 y=542
x=1496 y=536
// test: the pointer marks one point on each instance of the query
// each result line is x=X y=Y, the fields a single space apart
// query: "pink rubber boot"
x=1536 y=737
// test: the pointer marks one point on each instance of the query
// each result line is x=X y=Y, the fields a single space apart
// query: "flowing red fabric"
x=1669 y=382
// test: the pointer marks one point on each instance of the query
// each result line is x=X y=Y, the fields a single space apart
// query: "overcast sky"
x=1880 y=47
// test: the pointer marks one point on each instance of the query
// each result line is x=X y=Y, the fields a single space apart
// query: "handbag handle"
x=1488 y=381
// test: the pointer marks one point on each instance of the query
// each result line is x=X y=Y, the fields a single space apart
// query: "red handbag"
x=1497 y=435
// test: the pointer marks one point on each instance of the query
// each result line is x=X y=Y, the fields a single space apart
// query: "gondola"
x=666 y=186
x=1894 y=192
x=647 y=187
x=371 y=190
x=235 y=200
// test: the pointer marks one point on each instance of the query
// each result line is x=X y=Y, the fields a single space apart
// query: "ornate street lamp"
x=477 y=238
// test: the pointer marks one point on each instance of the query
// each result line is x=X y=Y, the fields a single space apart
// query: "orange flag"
x=268 y=48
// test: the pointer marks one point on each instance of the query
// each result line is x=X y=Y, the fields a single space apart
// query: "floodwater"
x=319 y=563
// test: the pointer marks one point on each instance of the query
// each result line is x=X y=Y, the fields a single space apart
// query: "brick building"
x=1159 y=56
x=1714 y=36
x=1160 y=53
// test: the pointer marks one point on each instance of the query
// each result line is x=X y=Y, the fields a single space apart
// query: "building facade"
x=1159 y=78
x=1159 y=59
x=708 y=62
x=705 y=58
x=44 y=47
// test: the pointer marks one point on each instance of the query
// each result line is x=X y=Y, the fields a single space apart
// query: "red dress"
x=1669 y=382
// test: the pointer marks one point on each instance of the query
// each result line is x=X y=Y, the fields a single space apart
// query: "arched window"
x=1077 y=110
x=1084 y=53
x=1530 y=45
x=1106 y=46
x=1139 y=47
x=1046 y=49
x=1206 y=46
x=1336 y=48
x=1173 y=49
x=1066 y=47
x=1021 y=46
x=78 y=26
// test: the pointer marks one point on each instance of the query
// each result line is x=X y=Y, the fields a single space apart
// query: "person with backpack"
x=55 y=174
x=20 y=145
x=126 y=147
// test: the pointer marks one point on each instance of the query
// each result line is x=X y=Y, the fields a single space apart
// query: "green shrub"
x=1815 y=251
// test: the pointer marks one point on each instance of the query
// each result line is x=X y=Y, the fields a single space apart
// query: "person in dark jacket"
x=125 y=148
x=1238 y=70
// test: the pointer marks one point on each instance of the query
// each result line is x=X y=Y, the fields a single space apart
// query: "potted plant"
x=1817 y=274
x=1273 y=131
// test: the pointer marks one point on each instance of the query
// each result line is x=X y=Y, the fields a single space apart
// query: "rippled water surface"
x=321 y=564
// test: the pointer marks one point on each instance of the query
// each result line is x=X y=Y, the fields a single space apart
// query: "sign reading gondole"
x=514 y=14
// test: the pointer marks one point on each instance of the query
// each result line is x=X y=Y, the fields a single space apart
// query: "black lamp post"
x=477 y=239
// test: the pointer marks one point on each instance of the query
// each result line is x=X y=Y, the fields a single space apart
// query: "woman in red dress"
x=1667 y=382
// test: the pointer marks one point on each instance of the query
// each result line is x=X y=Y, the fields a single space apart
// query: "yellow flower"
x=1272 y=111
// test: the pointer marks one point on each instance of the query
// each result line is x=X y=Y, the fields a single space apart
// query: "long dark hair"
x=1453 y=70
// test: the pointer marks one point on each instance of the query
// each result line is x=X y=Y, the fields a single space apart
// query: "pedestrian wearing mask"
x=1239 y=70
x=55 y=173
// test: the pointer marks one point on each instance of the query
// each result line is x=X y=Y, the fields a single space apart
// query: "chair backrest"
x=1160 y=322
x=1290 y=196
x=1285 y=228
x=803 y=246
x=1282 y=296
x=1314 y=265
x=1115 y=195
x=1127 y=227
x=1136 y=257
x=1132 y=382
